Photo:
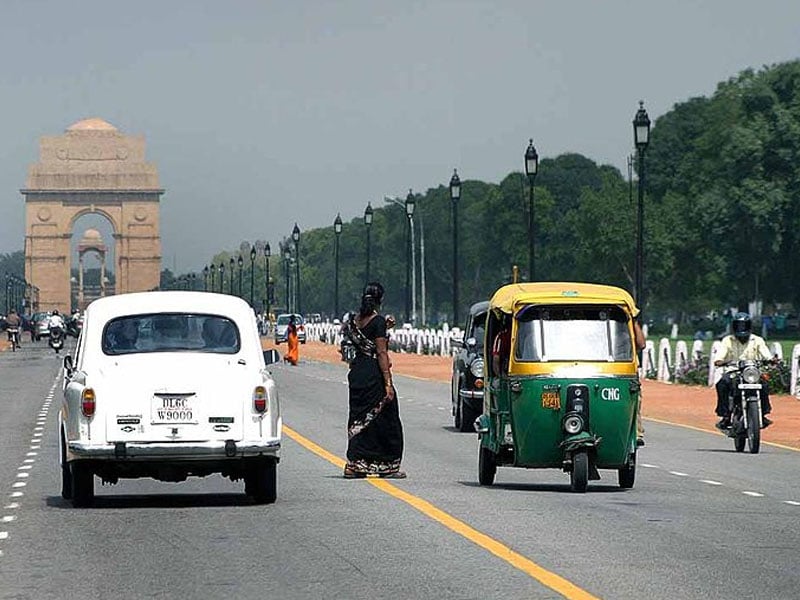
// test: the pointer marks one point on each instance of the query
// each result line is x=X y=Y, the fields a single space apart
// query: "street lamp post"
x=240 y=262
x=409 y=215
x=368 y=223
x=267 y=253
x=192 y=278
x=287 y=257
x=221 y=269
x=455 y=196
x=337 y=231
x=232 y=265
x=641 y=137
x=531 y=168
x=252 y=272
x=296 y=238
x=205 y=278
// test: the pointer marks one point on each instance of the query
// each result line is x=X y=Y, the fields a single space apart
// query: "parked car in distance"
x=39 y=325
x=282 y=327
x=169 y=385
x=467 y=379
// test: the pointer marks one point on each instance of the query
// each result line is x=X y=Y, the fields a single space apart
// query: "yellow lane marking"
x=503 y=552
x=714 y=431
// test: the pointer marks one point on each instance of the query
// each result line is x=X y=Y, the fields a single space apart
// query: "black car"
x=467 y=380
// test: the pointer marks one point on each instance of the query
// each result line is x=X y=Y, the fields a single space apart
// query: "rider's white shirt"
x=55 y=321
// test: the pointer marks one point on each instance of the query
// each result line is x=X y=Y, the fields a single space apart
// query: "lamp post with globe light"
x=531 y=169
x=641 y=137
x=455 y=196
x=296 y=239
x=337 y=231
x=368 y=214
x=409 y=205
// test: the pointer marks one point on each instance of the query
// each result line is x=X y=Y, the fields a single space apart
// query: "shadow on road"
x=545 y=487
x=159 y=501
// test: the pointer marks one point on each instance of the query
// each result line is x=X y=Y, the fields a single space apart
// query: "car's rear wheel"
x=261 y=481
x=82 y=484
x=66 y=477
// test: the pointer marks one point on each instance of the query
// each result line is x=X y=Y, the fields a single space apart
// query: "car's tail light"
x=88 y=403
x=260 y=399
x=479 y=383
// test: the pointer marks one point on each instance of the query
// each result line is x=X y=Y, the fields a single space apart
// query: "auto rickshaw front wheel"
x=579 y=476
x=487 y=466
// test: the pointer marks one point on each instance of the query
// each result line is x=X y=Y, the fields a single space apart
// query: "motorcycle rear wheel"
x=753 y=427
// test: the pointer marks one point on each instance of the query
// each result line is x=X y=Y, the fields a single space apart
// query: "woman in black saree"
x=374 y=431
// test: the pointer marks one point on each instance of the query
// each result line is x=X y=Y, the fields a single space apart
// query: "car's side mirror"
x=471 y=343
x=271 y=356
x=68 y=368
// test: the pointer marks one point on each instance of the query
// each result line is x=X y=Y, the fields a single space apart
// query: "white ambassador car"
x=169 y=385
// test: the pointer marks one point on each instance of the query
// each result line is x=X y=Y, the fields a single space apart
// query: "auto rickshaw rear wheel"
x=579 y=476
x=487 y=466
x=627 y=474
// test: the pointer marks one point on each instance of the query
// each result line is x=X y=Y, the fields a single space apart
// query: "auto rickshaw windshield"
x=572 y=333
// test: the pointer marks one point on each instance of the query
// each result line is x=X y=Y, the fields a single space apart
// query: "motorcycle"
x=745 y=406
x=13 y=337
x=56 y=339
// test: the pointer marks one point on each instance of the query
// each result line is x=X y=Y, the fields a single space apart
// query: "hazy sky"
x=260 y=114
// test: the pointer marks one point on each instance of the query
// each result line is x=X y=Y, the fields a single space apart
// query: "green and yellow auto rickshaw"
x=564 y=390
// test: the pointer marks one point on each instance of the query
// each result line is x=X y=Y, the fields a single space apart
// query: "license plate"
x=178 y=409
x=749 y=386
x=551 y=399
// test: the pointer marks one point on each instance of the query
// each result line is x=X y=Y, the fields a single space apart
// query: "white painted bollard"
x=681 y=357
x=697 y=350
x=793 y=387
x=664 y=360
x=714 y=373
x=648 y=362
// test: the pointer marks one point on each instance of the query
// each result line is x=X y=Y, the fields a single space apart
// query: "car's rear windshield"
x=284 y=319
x=170 y=332
x=573 y=333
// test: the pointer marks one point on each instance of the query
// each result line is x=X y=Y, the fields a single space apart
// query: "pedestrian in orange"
x=293 y=353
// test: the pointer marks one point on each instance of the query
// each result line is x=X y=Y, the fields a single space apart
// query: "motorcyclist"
x=13 y=321
x=56 y=321
x=742 y=344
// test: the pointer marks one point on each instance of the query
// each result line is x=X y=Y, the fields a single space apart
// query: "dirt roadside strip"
x=688 y=406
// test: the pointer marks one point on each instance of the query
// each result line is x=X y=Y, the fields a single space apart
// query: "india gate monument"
x=91 y=169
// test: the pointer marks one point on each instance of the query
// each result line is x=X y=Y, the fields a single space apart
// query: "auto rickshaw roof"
x=508 y=297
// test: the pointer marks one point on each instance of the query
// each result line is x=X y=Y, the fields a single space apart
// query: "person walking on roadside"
x=374 y=430
x=293 y=351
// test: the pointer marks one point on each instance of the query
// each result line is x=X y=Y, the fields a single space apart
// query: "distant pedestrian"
x=293 y=344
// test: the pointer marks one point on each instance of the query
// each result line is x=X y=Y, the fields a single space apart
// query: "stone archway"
x=92 y=168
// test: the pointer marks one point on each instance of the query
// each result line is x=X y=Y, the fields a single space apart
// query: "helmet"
x=742 y=325
x=55 y=312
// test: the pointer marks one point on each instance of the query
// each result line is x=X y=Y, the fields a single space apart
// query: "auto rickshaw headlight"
x=477 y=367
x=573 y=424
x=751 y=374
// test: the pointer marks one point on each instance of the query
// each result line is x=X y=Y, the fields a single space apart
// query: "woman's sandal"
x=393 y=475
x=350 y=474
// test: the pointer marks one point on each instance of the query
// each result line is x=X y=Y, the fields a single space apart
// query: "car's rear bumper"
x=175 y=450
